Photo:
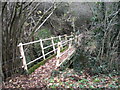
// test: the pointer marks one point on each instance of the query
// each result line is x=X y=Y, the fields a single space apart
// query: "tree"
x=1 y=72
x=17 y=19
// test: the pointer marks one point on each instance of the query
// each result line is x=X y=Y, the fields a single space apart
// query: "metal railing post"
x=23 y=56
x=70 y=43
x=75 y=39
x=58 y=53
x=79 y=39
x=60 y=41
x=53 y=44
x=41 y=44
x=66 y=38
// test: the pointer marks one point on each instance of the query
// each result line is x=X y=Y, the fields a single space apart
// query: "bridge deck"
x=36 y=79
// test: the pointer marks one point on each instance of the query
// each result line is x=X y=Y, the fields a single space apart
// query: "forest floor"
x=43 y=77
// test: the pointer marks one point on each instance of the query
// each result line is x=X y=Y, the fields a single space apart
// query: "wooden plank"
x=67 y=58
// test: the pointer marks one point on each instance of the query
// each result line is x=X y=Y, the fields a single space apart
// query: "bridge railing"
x=67 y=41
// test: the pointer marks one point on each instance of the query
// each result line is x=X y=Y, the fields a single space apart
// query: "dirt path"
x=36 y=79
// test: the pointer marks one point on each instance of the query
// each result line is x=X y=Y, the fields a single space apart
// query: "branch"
x=44 y=21
x=22 y=23
x=41 y=18
x=55 y=6
x=112 y=15
x=27 y=5
x=35 y=30
x=3 y=7
x=32 y=11
x=33 y=20
x=13 y=18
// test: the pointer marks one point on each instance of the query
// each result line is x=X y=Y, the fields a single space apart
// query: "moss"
x=64 y=49
x=33 y=68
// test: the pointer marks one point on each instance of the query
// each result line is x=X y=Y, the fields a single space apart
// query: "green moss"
x=64 y=49
x=33 y=68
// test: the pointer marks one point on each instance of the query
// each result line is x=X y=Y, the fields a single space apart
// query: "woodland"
x=96 y=61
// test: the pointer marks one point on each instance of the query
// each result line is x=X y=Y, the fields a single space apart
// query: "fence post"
x=23 y=56
x=79 y=39
x=71 y=33
x=41 y=44
x=75 y=39
x=53 y=44
x=70 y=43
x=60 y=41
x=58 y=53
x=65 y=37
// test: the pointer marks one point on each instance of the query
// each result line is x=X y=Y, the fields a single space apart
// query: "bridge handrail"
x=47 y=53
x=43 y=40
x=63 y=43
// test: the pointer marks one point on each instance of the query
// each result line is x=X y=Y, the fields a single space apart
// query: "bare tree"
x=1 y=72
x=15 y=15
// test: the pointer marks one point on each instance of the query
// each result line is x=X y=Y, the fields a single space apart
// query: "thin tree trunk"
x=1 y=72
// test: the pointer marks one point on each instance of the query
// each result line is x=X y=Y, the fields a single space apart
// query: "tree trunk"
x=1 y=73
